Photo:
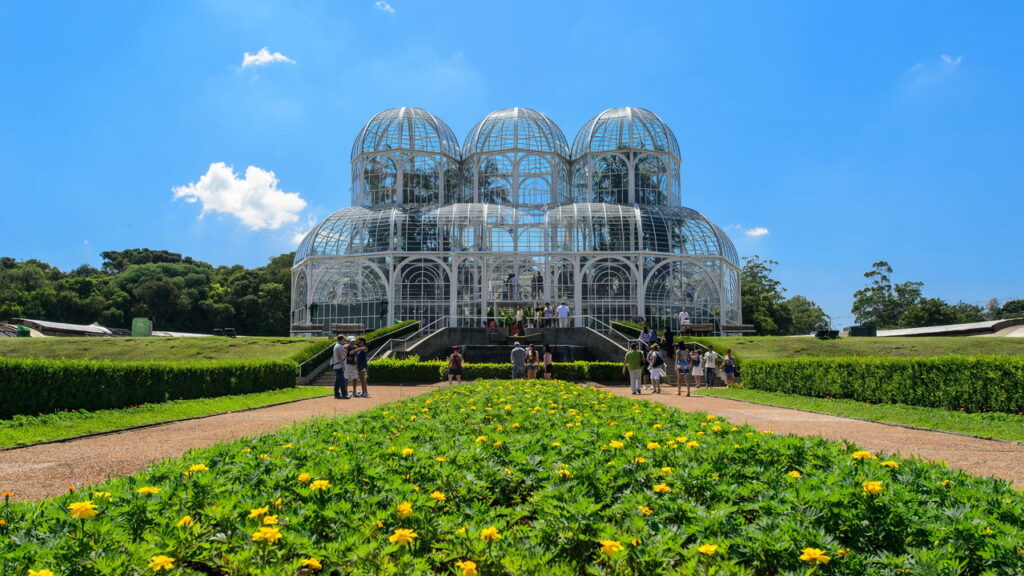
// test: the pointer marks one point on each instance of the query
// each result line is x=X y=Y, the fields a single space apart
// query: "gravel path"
x=973 y=455
x=45 y=470
x=39 y=471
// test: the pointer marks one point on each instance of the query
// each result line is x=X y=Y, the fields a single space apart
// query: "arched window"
x=651 y=179
x=380 y=178
x=610 y=179
x=421 y=182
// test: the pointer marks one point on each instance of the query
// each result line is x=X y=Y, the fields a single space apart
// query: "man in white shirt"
x=710 y=365
x=563 y=315
x=338 y=365
x=684 y=321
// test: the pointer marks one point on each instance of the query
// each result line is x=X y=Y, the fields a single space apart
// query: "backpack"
x=658 y=362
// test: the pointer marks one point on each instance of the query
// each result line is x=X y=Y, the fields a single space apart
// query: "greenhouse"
x=457 y=236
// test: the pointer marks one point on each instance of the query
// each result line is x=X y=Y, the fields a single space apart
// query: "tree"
x=1012 y=309
x=928 y=312
x=806 y=316
x=762 y=297
x=881 y=304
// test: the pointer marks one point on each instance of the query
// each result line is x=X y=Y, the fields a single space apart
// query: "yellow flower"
x=269 y=520
x=305 y=477
x=842 y=552
x=101 y=495
x=653 y=445
x=565 y=473
x=794 y=474
x=148 y=490
x=311 y=563
x=666 y=470
x=716 y=428
x=319 y=485
x=490 y=534
x=40 y=573
x=711 y=417
x=481 y=438
x=198 y=468
x=814 y=556
x=288 y=445
x=184 y=522
x=278 y=503
x=439 y=496
x=407 y=451
x=610 y=547
x=639 y=460
x=267 y=534
x=863 y=455
x=681 y=439
x=662 y=488
x=645 y=510
x=257 y=512
x=461 y=531
x=628 y=435
x=616 y=445
x=707 y=549
x=873 y=488
x=402 y=536
x=404 y=510
x=82 y=510
x=656 y=426
x=498 y=444
x=692 y=444
x=467 y=567
x=441 y=459
x=890 y=464
x=161 y=562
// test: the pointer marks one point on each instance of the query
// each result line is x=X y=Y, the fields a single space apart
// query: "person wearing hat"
x=518 y=359
x=338 y=365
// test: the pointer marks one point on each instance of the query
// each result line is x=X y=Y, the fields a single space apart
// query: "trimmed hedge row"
x=972 y=383
x=37 y=386
x=394 y=370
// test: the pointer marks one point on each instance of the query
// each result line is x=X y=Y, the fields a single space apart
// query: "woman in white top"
x=696 y=370
x=657 y=367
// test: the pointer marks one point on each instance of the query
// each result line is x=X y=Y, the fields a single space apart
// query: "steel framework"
x=514 y=218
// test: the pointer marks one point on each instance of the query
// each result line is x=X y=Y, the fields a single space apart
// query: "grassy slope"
x=26 y=430
x=749 y=348
x=148 y=349
x=985 y=425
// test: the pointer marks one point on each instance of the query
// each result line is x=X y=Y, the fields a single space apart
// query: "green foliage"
x=24 y=430
x=40 y=386
x=414 y=371
x=160 y=349
x=805 y=315
x=396 y=330
x=754 y=347
x=971 y=383
x=411 y=370
x=762 y=297
x=554 y=468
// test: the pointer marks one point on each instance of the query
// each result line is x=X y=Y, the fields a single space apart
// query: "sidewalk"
x=973 y=455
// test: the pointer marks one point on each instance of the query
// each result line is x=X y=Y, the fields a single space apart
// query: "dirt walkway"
x=975 y=456
x=46 y=470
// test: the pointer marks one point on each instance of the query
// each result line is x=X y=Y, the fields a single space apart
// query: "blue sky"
x=850 y=132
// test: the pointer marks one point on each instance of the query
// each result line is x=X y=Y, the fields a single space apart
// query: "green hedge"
x=38 y=386
x=972 y=383
x=413 y=370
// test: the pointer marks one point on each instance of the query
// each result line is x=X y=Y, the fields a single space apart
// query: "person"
x=656 y=366
x=351 y=373
x=515 y=286
x=508 y=286
x=519 y=319
x=549 y=360
x=362 y=363
x=729 y=367
x=684 y=321
x=538 y=316
x=633 y=364
x=563 y=315
x=549 y=315
x=338 y=365
x=710 y=365
x=532 y=362
x=668 y=342
x=696 y=371
x=645 y=335
x=455 y=365
x=518 y=359
x=537 y=284
x=682 y=367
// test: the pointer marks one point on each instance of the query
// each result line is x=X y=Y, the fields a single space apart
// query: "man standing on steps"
x=684 y=321
x=518 y=359
x=338 y=365
x=563 y=315
x=710 y=366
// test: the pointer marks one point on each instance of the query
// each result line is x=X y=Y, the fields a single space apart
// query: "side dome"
x=406 y=128
x=622 y=129
x=516 y=129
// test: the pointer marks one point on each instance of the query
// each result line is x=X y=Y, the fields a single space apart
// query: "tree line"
x=178 y=293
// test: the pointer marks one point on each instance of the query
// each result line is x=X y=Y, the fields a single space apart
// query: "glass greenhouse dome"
x=514 y=217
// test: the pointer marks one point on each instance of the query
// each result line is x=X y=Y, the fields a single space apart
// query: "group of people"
x=544 y=316
x=528 y=362
x=646 y=366
x=349 y=362
x=511 y=286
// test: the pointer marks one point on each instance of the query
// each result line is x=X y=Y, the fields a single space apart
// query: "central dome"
x=516 y=129
x=622 y=129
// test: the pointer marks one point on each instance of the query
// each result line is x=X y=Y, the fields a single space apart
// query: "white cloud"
x=264 y=57
x=759 y=231
x=384 y=5
x=255 y=199
x=925 y=74
x=300 y=231
x=950 y=61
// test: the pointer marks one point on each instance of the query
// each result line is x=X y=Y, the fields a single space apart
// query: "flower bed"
x=517 y=477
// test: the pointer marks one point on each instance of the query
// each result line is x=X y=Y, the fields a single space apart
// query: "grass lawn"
x=750 y=348
x=996 y=425
x=149 y=349
x=26 y=430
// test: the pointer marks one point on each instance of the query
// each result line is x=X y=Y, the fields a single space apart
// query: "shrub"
x=605 y=372
x=973 y=383
x=411 y=370
x=38 y=386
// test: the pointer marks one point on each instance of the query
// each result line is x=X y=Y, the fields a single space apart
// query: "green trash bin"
x=23 y=331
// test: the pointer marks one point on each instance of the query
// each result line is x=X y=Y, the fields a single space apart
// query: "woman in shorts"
x=657 y=367
x=532 y=362
x=549 y=360
x=695 y=368
x=682 y=369
x=729 y=367
x=455 y=366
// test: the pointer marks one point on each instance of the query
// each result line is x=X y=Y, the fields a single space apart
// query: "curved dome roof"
x=406 y=128
x=516 y=128
x=625 y=128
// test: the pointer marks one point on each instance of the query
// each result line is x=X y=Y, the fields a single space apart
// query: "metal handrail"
x=298 y=369
x=390 y=344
